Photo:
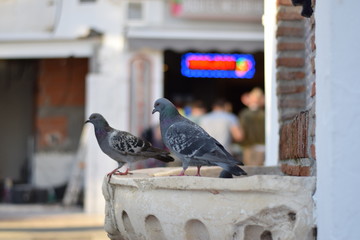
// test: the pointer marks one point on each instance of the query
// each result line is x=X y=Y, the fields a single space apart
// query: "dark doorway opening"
x=182 y=90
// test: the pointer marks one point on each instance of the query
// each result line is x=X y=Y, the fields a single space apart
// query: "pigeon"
x=122 y=146
x=190 y=143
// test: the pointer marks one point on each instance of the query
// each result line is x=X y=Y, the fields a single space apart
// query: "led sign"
x=217 y=65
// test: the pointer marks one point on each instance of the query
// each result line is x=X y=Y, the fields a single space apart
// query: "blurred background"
x=61 y=60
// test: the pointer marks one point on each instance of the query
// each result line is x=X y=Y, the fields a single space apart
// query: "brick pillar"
x=296 y=91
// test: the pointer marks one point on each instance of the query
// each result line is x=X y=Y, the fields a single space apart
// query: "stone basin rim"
x=258 y=183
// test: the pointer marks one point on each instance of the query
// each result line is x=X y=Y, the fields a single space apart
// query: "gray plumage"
x=190 y=143
x=122 y=146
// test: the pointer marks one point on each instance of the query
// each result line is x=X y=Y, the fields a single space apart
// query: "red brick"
x=284 y=2
x=290 y=62
x=290 y=89
x=304 y=171
x=289 y=16
x=295 y=170
x=292 y=170
x=290 y=75
x=284 y=168
x=289 y=32
x=313 y=151
x=294 y=138
x=290 y=46
x=51 y=130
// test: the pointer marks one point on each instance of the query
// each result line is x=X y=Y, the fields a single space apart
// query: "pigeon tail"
x=164 y=158
x=234 y=170
x=225 y=174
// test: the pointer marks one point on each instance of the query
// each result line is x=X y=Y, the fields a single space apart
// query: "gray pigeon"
x=190 y=143
x=122 y=146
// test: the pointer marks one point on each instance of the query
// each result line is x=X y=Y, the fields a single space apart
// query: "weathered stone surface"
x=149 y=204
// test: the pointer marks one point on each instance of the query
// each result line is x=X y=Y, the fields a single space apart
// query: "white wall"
x=107 y=94
x=271 y=124
x=338 y=119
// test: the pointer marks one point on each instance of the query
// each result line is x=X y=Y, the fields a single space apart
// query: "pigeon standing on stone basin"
x=190 y=143
x=122 y=146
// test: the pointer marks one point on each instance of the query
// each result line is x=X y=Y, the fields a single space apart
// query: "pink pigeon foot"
x=198 y=171
x=122 y=173
x=182 y=173
x=116 y=172
x=112 y=172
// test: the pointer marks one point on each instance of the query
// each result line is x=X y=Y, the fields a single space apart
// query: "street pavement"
x=49 y=222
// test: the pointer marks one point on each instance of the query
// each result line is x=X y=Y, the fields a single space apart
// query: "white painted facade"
x=271 y=119
x=337 y=119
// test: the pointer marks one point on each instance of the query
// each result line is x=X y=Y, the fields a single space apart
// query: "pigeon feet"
x=122 y=173
x=112 y=172
x=198 y=171
x=116 y=172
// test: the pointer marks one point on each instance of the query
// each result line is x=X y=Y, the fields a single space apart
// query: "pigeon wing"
x=215 y=154
x=126 y=143
x=191 y=141
x=185 y=138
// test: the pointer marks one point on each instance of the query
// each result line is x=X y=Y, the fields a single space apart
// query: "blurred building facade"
x=63 y=60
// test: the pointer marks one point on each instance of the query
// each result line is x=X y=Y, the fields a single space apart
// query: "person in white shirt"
x=222 y=125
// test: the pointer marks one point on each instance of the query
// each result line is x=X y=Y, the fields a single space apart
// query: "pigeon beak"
x=154 y=111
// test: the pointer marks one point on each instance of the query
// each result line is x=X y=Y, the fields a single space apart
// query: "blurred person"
x=236 y=150
x=228 y=107
x=222 y=125
x=198 y=109
x=252 y=122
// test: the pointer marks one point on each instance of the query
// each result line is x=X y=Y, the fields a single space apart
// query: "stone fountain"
x=151 y=204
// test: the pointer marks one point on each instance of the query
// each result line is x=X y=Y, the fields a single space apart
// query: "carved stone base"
x=150 y=204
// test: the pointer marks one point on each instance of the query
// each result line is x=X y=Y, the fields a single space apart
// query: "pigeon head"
x=164 y=106
x=98 y=120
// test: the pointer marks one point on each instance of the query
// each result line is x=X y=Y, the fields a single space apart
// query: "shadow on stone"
x=153 y=228
x=128 y=226
x=196 y=230
x=253 y=232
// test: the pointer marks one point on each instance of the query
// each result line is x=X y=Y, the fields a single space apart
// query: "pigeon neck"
x=100 y=133
x=168 y=117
